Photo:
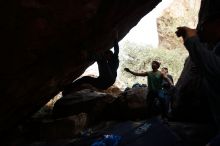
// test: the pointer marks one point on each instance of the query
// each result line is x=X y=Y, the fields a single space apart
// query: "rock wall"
x=179 y=13
x=47 y=44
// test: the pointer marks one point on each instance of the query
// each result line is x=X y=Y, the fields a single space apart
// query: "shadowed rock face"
x=46 y=44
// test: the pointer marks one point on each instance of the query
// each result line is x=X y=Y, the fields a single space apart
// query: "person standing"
x=203 y=45
x=166 y=94
x=155 y=78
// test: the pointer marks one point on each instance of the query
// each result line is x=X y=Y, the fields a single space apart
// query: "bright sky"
x=145 y=32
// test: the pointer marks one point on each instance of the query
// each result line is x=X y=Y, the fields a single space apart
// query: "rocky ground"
x=85 y=116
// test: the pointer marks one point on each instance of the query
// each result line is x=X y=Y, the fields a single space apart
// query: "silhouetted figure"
x=107 y=64
x=166 y=84
x=206 y=60
x=154 y=78
x=167 y=91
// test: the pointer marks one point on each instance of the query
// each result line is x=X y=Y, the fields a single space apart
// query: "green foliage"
x=139 y=60
x=171 y=52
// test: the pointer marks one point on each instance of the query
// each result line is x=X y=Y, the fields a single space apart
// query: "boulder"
x=88 y=101
x=130 y=105
x=47 y=44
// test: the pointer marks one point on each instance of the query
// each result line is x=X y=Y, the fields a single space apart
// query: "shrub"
x=139 y=60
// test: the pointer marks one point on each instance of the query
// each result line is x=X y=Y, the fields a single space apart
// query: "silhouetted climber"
x=108 y=63
x=154 y=78
x=198 y=43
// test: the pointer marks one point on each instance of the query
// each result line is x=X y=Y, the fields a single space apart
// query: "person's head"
x=209 y=21
x=108 y=54
x=164 y=70
x=155 y=65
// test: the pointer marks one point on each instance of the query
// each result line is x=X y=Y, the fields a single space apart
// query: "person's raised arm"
x=201 y=56
x=135 y=73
